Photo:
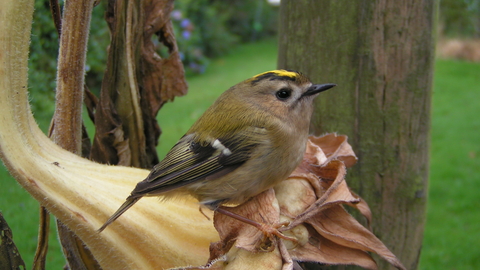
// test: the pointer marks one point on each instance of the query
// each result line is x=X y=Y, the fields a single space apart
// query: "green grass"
x=22 y=214
x=452 y=235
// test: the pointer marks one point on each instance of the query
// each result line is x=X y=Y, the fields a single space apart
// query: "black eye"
x=283 y=94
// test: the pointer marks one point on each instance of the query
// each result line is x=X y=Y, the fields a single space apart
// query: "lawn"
x=452 y=236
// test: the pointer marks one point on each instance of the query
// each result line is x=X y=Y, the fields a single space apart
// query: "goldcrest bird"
x=250 y=139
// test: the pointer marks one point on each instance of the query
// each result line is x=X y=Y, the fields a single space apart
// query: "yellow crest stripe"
x=280 y=73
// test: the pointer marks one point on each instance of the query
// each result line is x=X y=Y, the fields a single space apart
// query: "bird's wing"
x=190 y=160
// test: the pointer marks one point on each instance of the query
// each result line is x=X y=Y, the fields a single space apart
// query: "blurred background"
x=225 y=42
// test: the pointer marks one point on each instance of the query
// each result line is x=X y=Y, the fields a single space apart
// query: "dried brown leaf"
x=165 y=76
x=337 y=193
x=320 y=249
x=288 y=262
x=303 y=172
x=314 y=154
x=363 y=208
x=117 y=115
x=137 y=83
x=340 y=227
x=336 y=147
x=108 y=132
x=161 y=79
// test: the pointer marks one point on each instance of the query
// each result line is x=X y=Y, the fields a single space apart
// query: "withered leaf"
x=136 y=84
x=363 y=208
x=163 y=78
x=336 y=192
x=340 y=227
x=320 y=249
x=336 y=147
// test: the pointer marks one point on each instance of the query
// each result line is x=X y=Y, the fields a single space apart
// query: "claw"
x=268 y=229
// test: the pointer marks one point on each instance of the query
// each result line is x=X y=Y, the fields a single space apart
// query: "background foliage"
x=204 y=29
x=460 y=18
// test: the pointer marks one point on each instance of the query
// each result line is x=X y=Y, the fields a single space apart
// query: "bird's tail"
x=125 y=206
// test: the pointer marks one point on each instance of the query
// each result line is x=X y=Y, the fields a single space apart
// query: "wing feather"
x=190 y=161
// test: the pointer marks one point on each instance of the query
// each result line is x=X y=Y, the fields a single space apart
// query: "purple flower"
x=176 y=15
x=186 y=34
x=185 y=23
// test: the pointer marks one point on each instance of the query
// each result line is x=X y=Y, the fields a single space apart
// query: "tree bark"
x=381 y=55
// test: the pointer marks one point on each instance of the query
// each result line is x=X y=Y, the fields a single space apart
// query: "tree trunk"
x=381 y=55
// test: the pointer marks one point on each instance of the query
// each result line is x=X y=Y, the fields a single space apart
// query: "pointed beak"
x=317 y=88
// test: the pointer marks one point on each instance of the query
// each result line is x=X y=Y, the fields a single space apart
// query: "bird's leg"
x=203 y=213
x=267 y=229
